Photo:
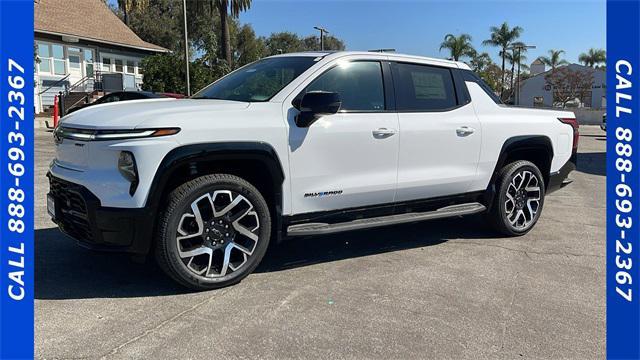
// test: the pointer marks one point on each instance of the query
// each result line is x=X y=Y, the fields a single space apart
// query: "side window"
x=423 y=88
x=111 y=98
x=359 y=84
x=137 y=96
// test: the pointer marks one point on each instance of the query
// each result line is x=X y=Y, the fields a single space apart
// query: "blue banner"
x=623 y=183
x=16 y=179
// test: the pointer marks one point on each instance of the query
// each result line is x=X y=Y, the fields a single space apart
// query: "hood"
x=136 y=113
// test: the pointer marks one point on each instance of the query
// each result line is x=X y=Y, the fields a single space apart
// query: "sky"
x=418 y=27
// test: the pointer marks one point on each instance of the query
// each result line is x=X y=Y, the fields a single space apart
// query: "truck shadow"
x=63 y=270
x=305 y=251
x=594 y=163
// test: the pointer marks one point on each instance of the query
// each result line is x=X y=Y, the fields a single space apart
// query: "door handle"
x=383 y=132
x=465 y=131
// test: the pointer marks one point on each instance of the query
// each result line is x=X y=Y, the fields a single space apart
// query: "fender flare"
x=524 y=142
x=518 y=143
x=195 y=153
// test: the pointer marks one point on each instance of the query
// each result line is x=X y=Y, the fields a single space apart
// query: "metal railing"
x=54 y=84
x=95 y=77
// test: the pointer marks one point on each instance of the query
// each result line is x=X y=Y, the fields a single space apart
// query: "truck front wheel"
x=213 y=231
x=517 y=205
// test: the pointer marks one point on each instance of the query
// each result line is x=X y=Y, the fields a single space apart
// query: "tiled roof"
x=87 y=20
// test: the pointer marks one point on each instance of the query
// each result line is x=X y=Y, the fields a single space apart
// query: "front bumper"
x=79 y=214
x=560 y=178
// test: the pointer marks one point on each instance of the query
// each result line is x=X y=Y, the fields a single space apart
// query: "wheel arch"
x=535 y=148
x=256 y=162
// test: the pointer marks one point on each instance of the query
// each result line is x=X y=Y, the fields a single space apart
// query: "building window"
x=106 y=64
x=130 y=67
x=58 y=59
x=44 y=53
x=74 y=62
x=118 y=65
x=140 y=69
x=88 y=59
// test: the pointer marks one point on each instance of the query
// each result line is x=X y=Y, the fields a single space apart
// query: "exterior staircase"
x=76 y=98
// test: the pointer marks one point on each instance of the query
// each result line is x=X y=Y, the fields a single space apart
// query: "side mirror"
x=317 y=103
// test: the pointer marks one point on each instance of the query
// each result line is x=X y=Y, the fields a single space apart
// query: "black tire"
x=498 y=215
x=179 y=202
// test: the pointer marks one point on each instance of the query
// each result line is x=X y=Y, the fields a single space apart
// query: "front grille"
x=71 y=209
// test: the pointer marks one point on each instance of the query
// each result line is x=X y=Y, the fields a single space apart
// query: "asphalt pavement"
x=446 y=289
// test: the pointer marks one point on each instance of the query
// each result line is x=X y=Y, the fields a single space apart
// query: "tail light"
x=576 y=132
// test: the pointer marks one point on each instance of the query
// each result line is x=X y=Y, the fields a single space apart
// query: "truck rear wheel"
x=214 y=231
x=518 y=202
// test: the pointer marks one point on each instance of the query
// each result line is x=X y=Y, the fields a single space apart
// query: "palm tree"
x=458 y=46
x=503 y=37
x=516 y=56
x=593 y=57
x=226 y=8
x=553 y=60
x=128 y=5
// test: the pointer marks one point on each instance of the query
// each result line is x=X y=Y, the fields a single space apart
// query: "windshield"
x=259 y=81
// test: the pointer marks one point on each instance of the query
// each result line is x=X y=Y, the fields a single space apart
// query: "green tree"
x=492 y=76
x=593 y=58
x=569 y=85
x=458 y=46
x=288 y=42
x=128 y=5
x=554 y=59
x=161 y=23
x=226 y=9
x=283 y=42
x=166 y=73
x=480 y=61
x=248 y=47
x=503 y=37
x=312 y=43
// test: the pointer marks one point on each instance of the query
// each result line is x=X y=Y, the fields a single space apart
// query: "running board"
x=323 y=228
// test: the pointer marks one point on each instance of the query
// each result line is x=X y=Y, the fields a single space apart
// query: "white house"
x=78 y=42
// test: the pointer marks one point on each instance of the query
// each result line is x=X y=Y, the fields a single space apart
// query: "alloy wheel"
x=522 y=199
x=217 y=234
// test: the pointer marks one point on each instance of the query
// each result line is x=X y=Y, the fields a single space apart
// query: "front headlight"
x=96 y=135
x=128 y=169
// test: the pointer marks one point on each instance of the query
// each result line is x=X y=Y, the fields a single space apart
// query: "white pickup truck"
x=296 y=145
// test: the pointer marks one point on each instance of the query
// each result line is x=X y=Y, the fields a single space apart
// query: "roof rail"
x=383 y=50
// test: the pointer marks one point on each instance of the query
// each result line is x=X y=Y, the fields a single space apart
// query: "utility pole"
x=519 y=48
x=322 y=32
x=186 y=45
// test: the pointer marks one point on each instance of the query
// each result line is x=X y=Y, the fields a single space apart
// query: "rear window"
x=423 y=87
x=470 y=76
